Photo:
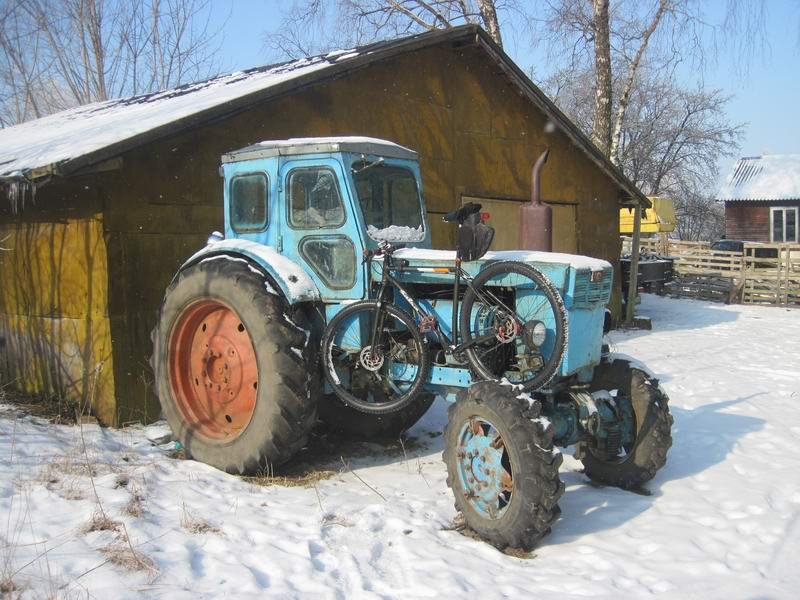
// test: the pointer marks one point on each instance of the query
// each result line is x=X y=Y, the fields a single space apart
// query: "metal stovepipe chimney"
x=536 y=218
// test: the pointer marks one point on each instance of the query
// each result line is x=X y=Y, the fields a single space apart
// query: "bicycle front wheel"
x=515 y=325
x=380 y=378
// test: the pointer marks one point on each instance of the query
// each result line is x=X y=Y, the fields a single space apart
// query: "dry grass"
x=64 y=474
x=67 y=464
x=122 y=554
x=135 y=507
x=198 y=525
x=306 y=480
x=321 y=459
x=52 y=408
x=7 y=587
x=333 y=519
x=100 y=521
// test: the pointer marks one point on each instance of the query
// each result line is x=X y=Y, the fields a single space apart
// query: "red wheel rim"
x=213 y=370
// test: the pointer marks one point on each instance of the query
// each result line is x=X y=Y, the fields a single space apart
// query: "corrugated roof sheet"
x=769 y=177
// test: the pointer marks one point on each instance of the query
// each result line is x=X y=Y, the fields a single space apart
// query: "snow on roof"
x=769 y=177
x=66 y=141
x=79 y=131
x=312 y=145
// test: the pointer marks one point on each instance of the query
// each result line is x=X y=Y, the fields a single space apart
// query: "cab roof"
x=320 y=145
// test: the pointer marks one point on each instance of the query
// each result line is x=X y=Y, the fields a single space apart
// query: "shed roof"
x=763 y=178
x=65 y=142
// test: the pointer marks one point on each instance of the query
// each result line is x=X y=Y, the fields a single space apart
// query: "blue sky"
x=766 y=97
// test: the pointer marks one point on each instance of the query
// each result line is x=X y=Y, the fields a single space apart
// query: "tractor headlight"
x=539 y=334
x=536 y=333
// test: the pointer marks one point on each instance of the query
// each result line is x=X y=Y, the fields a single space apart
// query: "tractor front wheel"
x=501 y=465
x=637 y=462
x=231 y=368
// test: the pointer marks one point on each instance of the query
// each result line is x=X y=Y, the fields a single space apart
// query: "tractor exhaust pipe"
x=536 y=218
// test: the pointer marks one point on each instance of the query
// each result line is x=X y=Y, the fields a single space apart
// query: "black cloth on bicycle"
x=474 y=239
x=459 y=215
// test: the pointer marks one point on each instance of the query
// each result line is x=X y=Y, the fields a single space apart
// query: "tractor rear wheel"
x=501 y=465
x=639 y=461
x=231 y=368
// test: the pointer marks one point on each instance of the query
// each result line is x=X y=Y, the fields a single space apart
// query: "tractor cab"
x=322 y=201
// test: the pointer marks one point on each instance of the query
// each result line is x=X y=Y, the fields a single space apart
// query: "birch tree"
x=56 y=54
x=601 y=124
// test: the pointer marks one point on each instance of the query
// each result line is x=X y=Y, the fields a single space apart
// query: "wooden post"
x=742 y=273
x=633 y=279
x=663 y=239
x=781 y=275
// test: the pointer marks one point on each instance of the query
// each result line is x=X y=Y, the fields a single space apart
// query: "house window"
x=783 y=225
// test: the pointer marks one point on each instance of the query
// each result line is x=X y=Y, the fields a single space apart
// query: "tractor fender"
x=294 y=283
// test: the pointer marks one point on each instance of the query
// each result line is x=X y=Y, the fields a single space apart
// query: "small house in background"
x=762 y=199
x=100 y=204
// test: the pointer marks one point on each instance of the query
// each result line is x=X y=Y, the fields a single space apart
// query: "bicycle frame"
x=450 y=346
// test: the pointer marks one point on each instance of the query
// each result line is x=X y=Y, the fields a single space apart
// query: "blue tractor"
x=324 y=300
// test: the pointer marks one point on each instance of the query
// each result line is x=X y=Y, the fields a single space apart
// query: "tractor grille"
x=589 y=293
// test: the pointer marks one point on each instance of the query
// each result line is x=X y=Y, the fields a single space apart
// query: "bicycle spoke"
x=366 y=373
x=505 y=301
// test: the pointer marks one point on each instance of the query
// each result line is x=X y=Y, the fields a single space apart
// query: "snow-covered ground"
x=723 y=520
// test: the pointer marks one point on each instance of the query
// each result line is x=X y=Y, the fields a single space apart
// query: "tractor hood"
x=449 y=256
x=570 y=273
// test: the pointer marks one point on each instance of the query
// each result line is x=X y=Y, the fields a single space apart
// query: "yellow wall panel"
x=55 y=337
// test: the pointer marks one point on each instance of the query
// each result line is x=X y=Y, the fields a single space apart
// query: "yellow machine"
x=658 y=219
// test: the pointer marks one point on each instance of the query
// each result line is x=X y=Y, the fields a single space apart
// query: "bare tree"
x=670 y=141
x=312 y=26
x=61 y=53
x=615 y=38
x=19 y=69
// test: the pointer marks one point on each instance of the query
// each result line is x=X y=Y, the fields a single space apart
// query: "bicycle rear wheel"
x=516 y=321
x=377 y=380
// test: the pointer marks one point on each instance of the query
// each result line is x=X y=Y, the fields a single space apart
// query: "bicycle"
x=375 y=354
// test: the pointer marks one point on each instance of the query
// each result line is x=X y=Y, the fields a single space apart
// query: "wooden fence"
x=752 y=276
x=771 y=280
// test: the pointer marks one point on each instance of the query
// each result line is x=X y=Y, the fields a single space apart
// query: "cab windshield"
x=390 y=202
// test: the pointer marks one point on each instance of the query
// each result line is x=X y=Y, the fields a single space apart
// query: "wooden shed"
x=103 y=202
x=762 y=199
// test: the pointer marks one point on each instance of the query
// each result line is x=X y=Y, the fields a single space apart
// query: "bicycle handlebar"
x=384 y=248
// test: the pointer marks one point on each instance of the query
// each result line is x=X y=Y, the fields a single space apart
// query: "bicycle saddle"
x=460 y=215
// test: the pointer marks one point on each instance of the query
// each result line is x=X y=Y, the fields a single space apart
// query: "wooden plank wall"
x=746 y=221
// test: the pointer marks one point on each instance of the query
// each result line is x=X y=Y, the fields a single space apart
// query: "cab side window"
x=314 y=199
x=249 y=196
x=333 y=258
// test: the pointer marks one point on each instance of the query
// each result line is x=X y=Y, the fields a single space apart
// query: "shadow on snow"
x=702 y=438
